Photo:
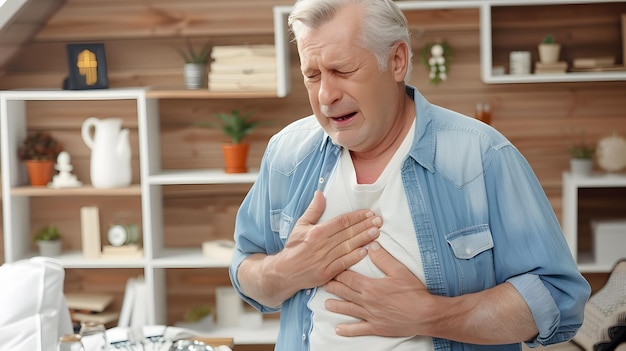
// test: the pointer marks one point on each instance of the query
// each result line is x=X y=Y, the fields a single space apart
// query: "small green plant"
x=47 y=233
x=234 y=124
x=39 y=146
x=196 y=313
x=581 y=151
x=548 y=39
x=191 y=55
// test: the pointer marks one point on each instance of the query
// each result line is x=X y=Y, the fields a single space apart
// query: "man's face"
x=354 y=102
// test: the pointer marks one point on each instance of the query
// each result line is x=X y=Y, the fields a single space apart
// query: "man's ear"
x=399 y=60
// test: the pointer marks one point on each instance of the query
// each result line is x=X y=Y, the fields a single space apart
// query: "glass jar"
x=70 y=342
x=93 y=335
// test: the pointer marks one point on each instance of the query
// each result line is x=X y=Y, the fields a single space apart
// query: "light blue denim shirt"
x=480 y=215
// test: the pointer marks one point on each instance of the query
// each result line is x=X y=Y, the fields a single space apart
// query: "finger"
x=315 y=210
x=345 y=285
x=354 y=329
x=347 y=260
x=351 y=224
x=388 y=264
x=345 y=308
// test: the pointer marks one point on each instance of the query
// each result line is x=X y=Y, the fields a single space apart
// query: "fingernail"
x=377 y=221
x=363 y=252
x=374 y=246
x=369 y=214
x=373 y=232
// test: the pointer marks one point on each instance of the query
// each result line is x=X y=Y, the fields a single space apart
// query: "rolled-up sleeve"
x=534 y=255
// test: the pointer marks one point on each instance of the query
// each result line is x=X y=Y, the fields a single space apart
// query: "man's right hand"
x=314 y=254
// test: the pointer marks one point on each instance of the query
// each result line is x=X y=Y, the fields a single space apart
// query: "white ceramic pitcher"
x=110 y=152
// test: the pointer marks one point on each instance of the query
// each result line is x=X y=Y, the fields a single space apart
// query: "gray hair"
x=383 y=26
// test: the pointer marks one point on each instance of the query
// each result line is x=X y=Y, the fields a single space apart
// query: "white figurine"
x=65 y=178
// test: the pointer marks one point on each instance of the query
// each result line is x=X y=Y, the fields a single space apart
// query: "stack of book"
x=551 y=68
x=124 y=251
x=243 y=68
x=594 y=63
x=90 y=307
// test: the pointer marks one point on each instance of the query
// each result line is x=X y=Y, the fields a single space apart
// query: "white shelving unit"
x=486 y=65
x=571 y=184
x=16 y=193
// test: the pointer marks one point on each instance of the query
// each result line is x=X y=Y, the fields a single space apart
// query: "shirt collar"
x=423 y=148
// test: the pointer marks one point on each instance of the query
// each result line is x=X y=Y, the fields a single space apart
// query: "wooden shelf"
x=201 y=176
x=87 y=190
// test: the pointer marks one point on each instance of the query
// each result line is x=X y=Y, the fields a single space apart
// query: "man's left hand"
x=388 y=306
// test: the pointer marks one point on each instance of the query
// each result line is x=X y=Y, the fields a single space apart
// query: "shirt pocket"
x=472 y=248
x=469 y=242
x=281 y=224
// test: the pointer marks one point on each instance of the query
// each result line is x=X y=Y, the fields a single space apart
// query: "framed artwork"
x=87 y=67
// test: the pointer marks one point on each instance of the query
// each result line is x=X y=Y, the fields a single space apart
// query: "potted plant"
x=39 y=152
x=235 y=125
x=581 y=158
x=48 y=239
x=195 y=65
x=201 y=315
x=549 y=50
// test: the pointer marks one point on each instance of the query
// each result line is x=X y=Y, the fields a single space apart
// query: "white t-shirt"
x=386 y=198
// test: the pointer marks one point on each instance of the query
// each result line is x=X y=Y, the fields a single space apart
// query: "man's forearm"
x=495 y=316
x=261 y=282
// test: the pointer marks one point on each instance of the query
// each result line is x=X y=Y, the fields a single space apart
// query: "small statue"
x=65 y=178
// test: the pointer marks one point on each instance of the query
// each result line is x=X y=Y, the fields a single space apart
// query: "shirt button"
x=308 y=291
x=303 y=337
x=468 y=251
x=321 y=180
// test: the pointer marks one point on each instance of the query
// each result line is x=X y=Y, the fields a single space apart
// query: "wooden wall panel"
x=141 y=38
x=96 y=20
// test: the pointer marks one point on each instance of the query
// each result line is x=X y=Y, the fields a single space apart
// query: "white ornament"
x=65 y=178
x=611 y=153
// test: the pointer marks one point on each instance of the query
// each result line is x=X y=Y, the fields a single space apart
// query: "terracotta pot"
x=40 y=171
x=235 y=157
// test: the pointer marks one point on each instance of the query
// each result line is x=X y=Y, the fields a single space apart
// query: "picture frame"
x=87 y=67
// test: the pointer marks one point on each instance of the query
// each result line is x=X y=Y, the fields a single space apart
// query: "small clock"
x=120 y=234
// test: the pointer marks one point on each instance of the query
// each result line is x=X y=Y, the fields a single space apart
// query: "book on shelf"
x=243 y=86
x=550 y=68
x=134 y=311
x=247 y=67
x=593 y=62
x=245 y=59
x=88 y=302
x=549 y=71
x=129 y=250
x=243 y=78
x=101 y=317
x=230 y=51
x=560 y=65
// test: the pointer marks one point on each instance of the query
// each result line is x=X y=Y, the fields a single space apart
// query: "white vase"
x=110 y=165
x=581 y=166
x=49 y=248
x=194 y=75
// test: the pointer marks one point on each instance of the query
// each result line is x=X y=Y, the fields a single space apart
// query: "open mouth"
x=344 y=117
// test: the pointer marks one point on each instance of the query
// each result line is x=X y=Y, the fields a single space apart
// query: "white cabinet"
x=17 y=195
x=571 y=185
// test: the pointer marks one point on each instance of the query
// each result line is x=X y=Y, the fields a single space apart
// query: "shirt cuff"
x=542 y=306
